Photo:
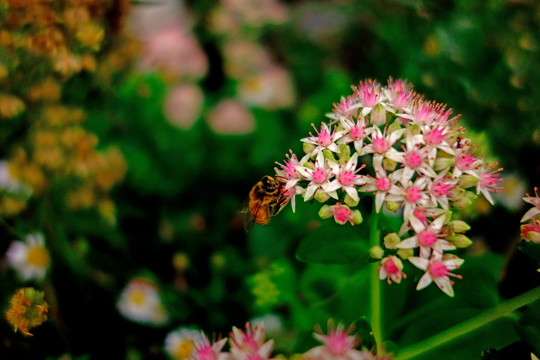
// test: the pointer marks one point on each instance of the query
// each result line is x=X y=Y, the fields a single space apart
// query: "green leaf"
x=333 y=244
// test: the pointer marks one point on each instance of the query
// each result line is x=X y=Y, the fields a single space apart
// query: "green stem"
x=375 y=284
x=466 y=327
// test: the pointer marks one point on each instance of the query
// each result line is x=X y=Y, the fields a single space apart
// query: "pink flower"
x=427 y=237
x=342 y=214
x=490 y=179
x=437 y=269
x=175 y=50
x=391 y=269
x=346 y=177
x=250 y=345
x=337 y=345
x=206 y=351
x=325 y=139
x=319 y=178
x=535 y=210
x=231 y=117
x=183 y=105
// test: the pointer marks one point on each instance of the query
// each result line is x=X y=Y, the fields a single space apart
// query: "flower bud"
x=459 y=226
x=321 y=196
x=180 y=261
x=308 y=148
x=460 y=241
x=391 y=240
x=467 y=181
x=531 y=232
x=389 y=165
x=393 y=206
x=378 y=115
x=344 y=153
x=393 y=127
x=357 y=217
x=463 y=200
x=405 y=253
x=350 y=201
x=328 y=155
x=443 y=163
x=376 y=252
x=325 y=212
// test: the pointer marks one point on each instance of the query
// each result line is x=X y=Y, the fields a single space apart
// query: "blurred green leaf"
x=333 y=244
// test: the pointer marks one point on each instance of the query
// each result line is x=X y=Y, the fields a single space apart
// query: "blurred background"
x=130 y=133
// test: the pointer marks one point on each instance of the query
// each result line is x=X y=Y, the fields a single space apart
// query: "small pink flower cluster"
x=416 y=160
x=531 y=230
x=250 y=345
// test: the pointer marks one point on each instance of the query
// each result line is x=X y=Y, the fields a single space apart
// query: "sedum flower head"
x=410 y=154
x=30 y=258
x=27 y=309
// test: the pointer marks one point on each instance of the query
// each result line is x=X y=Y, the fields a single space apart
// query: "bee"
x=265 y=200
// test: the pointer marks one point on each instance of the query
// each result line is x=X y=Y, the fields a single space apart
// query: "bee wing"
x=243 y=209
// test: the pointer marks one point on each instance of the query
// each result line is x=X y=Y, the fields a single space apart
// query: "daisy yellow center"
x=138 y=297
x=38 y=256
x=184 y=349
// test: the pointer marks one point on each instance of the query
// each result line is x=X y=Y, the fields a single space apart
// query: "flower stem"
x=466 y=327
x=375 y=284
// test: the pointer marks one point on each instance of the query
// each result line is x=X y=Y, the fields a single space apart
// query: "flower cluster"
x=411 y=155
x=249 y=344
x=530 y=231
x=44 y=46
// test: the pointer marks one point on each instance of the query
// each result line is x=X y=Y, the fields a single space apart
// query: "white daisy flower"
x=140 y=302
x=180 y=343
x=30 y=258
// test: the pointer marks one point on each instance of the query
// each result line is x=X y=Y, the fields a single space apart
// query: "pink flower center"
x=383 y=184
x=420 y=214
x=435 y=136
x=401 y=100
x=290 y=169
x=438 y=269
x=441 y=189
x=319 y=176
x=414 y=159
x=337 y=343
x=390 y=266
x=426 y=238
x=324 y=138
x=346 y=177
x=414 y=194
x=380 y=145
x=356 y=132
x=465 y=162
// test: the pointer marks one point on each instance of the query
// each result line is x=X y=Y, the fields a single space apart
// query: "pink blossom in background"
x=175 y=51
x=244 y=58
x=231 y=117
x=183 y=105
x=270 y=89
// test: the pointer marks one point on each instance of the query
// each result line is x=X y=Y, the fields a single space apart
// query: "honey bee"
x=265 y=200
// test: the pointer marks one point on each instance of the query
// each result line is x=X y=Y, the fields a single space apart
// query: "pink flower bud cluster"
x=250 y=345
x=530 y=231
x=411 y=155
